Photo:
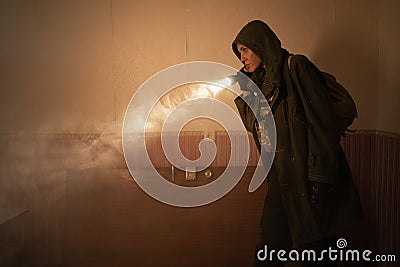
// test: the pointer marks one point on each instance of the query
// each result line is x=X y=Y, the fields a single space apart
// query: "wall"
x=388 y=118
x=69 y=68
x=72 y=66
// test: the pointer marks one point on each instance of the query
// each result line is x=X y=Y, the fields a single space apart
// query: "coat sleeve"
x=247 y=116
x=245 y=112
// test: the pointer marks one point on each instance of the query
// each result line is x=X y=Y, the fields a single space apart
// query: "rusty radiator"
x=189 y=144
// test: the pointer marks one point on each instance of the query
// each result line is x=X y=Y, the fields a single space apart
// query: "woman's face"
x=250 y=60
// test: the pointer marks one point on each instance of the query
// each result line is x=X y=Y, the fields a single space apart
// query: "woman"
x=311 y=195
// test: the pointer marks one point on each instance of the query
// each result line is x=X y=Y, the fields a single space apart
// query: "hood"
x=259 y=37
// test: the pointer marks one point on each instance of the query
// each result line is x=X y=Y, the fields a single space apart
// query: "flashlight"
x=241 y=77
x=228 y=81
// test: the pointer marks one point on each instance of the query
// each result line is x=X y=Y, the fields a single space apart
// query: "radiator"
x=189 y=143
x=374 y=159
x=373 y=156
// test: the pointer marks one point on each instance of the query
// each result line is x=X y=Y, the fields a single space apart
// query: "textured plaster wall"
x=389 y=61
x=72 y=66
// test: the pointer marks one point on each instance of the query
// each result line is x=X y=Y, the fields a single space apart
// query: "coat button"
x=293 y=158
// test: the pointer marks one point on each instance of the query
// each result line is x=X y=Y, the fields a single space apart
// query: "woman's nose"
x=242 y=58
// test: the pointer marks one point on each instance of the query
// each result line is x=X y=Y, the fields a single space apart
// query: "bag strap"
x=289 y=58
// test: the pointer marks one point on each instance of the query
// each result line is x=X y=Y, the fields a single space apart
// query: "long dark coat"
x=314 y=176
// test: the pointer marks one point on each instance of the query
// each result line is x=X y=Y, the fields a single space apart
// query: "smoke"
x=35 y=173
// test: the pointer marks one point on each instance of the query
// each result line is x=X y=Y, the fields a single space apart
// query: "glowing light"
x=215 y=89
x=201 y=92
x=176 y=97
x=225 y=82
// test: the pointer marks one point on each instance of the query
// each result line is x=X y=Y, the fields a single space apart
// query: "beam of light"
x=185 y=93
x=190 y=92
x=176 y=97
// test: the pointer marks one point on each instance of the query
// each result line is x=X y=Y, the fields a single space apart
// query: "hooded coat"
x=314 y=177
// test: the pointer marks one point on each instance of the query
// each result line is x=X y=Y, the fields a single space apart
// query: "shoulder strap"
x=289 y=58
